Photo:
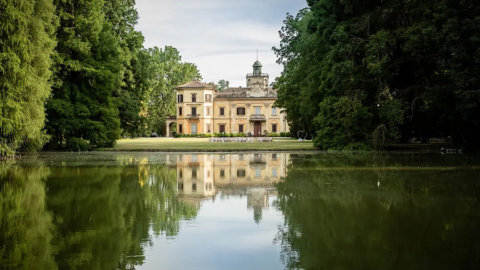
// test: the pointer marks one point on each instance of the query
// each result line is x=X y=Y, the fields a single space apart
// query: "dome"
x=257 y=64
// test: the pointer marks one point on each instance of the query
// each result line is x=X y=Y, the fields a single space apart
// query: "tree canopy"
x=26 y=45
x=381 y=71
x=168 y=72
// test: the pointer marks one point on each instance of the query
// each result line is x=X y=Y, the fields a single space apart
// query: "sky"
x=220 y=36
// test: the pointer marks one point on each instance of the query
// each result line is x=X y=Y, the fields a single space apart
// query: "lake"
x=105 y=210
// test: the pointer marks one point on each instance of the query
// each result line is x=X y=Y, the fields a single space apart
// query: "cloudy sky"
x=220 y=36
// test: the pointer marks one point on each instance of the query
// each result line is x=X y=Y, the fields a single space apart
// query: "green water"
x=240 y=211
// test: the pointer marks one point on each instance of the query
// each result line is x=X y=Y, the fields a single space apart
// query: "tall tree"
x=26 y=45
x=168 y=73
x=136 y=73
x=83 y=112
x=409 y=65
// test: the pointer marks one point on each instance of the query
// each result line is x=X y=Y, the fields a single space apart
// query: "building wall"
x=209 y=118
x=232 y=121
x=201 y=106
x=260 y=81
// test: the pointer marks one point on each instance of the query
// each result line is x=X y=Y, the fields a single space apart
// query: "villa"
x=203 y=110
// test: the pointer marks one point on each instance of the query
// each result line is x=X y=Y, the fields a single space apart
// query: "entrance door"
x=257 y=128
x=193 y=130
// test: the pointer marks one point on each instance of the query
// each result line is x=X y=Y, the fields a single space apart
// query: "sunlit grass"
x=203 y=144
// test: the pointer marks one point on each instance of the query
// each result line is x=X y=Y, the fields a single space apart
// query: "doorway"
x=193 y=129
x=257 y=129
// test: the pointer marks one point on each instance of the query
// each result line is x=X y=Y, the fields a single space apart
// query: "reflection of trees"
x=26 y=226
x=342 y=219
x=103 y=214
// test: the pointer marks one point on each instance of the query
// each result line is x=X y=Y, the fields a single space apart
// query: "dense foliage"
x=377 y=71
x=88 y=70
x=26 y=46
x=168 y=72
x=87 y=57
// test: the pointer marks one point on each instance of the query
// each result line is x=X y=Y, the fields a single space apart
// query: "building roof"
x=195 y=84
x=241 y=93
x=257 y=64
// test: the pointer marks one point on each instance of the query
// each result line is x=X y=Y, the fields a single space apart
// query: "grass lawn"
x=203 y=144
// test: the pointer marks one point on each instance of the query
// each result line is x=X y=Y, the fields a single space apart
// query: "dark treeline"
x=74 y=75
x=362 y=74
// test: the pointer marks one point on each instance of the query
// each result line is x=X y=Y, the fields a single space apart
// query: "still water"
x=240 y=211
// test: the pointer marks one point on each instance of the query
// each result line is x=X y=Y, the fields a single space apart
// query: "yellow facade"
x=200 y=175
x=250 y=110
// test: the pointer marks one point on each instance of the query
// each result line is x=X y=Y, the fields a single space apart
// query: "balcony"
x=257 y=117
x=193 y=116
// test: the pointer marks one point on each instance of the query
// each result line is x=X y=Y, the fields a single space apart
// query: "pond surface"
x=240 y=211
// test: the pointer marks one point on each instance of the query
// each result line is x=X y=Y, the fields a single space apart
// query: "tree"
x=83 y=111
x=136 y=76
x=26 y=45
x=410 y=64
x=222 y=85
x=168 y=73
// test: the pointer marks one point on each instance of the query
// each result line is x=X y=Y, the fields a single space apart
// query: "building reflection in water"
x=202 y=176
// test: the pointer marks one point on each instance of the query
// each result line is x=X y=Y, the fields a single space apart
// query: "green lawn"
x=203 y=144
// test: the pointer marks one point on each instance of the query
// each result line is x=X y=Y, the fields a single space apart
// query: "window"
x=194 y=97
x=194 y=173
x=194 y=187
x=274 y=172
x=208 y=186
x=194 y=111
x=258 y=110
x=222 y=111
x=180 y=111
x=180 y=174
x=208 y=98
x=180 y=186
x=180 y=98
x=222 y=173
x=208 y=110
x=241 y=173
x=194 y=158
x=240 y=128
x=274 y=127
x=257 y=173
x=274 y=156
x=222 y=128
x=274 y=111
x=180 y=128
x=240 y=111
x=208 y=128
x=193 y=129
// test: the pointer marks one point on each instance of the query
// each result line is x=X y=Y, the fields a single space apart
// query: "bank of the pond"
x=204 y=145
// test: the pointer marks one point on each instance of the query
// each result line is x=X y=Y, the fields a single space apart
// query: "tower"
x=257 y=80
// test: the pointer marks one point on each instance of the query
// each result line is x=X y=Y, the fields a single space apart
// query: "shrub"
x=77 y=144
x=341 y=122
